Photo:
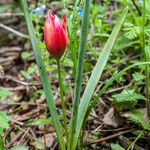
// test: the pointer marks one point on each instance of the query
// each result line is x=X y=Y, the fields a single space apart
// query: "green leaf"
x=42 y=121
x=19 y=147
x=127 y=99
x=4 y=93
x=116 y=147
x=79 y=73
x=1 y=143
x=139 y=117
x=132 y=31
x=25 y=55
x=137 y=76
x=43 y=75
x=4 y=121
x=109 y=82
x=38 y=145
x=96 y=74
x=30 y=71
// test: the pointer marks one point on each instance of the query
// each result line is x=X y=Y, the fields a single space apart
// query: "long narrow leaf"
x=43 y=75
x=96 y=74
x=110 y=81
x=79 y=72
x=1 y=143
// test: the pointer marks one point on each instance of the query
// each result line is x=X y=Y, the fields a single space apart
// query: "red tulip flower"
x=55 y=35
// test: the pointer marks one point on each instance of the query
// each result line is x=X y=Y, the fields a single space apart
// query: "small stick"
x=14 y=31
x=108 y=137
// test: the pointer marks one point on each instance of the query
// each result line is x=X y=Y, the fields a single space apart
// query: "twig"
x=17 y=136
x=9 y=14
x=118 y=89
x=108 y=137
x=17 y=122
x=14 y=31
x=125 y=142
x=8 y=77
x=24 y=135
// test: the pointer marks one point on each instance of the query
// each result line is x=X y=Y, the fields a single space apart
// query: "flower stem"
x=62 y=99
x=147 y=58
x=1 y=143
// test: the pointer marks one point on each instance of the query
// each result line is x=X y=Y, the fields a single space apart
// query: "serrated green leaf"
x=127 y=99
x=132 y=31
x=38 y=145
x=137 y=76
x=4 y=93
x=116 y=147
x=138 y=117
x=19 y=147
x=25 y=55
x=4 y=121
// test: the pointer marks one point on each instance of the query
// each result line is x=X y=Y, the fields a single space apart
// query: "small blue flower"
x=33 y=11
x=80 y=12
x=39 y=10
x=43 y=7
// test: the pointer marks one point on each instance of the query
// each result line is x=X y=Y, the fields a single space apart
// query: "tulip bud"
x=55 y=35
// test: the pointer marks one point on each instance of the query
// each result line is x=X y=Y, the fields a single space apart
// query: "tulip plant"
x=56 y=40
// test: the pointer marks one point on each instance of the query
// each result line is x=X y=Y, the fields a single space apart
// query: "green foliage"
x=41 y=122
x=30 y=71
x=95 y=76
x=139 y=117
x=127 y=99
x=116 y=147
x=5 y=7
x=79 y=74
x=4 y=93
x=4 y=121
x=138 y=77
x=38 y=145
x=1 y=143
x=132 y=31
x=25 y=55
x=4 y=118
x=19 y=147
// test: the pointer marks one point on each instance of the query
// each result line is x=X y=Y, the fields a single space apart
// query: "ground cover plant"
x=80 y=82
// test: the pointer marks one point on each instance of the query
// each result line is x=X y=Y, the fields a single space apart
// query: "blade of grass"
x=95 y=76
x=109 y=82
x=79 y=72
x=147 y=72
x=1 y=143
x=146 y=49
x=43 y=75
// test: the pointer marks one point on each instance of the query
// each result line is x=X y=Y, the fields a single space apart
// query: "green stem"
x=79 y=73
x=146 y=59
x=62 y=99
x=1 y=143
x=133 y=143
x=143 y=26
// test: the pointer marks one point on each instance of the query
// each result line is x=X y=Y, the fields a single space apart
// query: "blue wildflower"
x=80 y=12
x=43 y=7
x=33 y=11
x=39 y=10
